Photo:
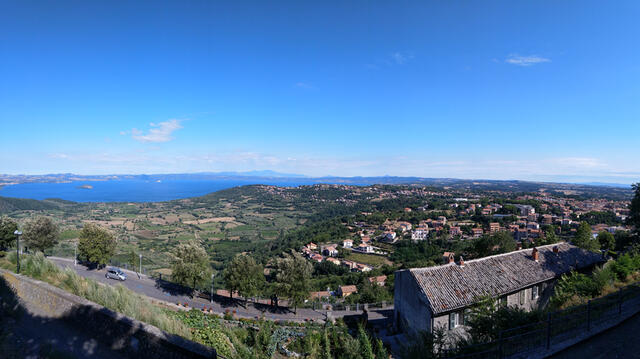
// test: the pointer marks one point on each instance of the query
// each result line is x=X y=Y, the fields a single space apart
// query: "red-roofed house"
x=347 y=290
x=379 y=280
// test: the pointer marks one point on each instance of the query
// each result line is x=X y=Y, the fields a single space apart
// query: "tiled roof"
x=348 y=289
x=450 y=286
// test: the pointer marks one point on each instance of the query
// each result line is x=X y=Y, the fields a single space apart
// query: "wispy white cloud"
x=578 y=162
x=401 y=58
x=159 y=132
x=518 y=60
x=304 y=85
x=397 y=58
x=58 y=155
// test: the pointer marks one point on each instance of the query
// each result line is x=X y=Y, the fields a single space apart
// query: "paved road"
x=156 y=290
x=618 y=342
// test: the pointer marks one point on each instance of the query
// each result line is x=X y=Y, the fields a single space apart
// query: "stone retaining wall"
x=127 y=336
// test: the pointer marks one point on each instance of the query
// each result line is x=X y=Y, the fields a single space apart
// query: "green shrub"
x=625 y=265
x=216 y=339
x=602 y=277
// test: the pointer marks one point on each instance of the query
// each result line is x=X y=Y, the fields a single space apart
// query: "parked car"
x=115 y=273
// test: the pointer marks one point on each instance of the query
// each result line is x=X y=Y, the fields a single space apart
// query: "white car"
x=115 y=273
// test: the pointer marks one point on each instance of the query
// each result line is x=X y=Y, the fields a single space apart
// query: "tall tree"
x=96 y=244
x=505 y=242
x=584 y=239
x=549 y=236
x=634 y=211
x=244 y=275
x=133 y=259
x=190 y=265
x=366 y=350
x=326 y=345
x=292 y=277
x=380 y=350
x=606 y=240
x=41 y=233
x=7 y=229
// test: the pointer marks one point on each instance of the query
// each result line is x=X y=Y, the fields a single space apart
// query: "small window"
x=502 y=301
x=522 y=293
x=535 y=292
x=454 y=320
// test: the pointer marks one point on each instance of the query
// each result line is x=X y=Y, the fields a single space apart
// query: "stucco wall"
x=127 y=336
x=513 y=299
x=411 y=308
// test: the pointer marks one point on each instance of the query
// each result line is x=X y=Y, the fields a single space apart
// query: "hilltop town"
x=366 y=230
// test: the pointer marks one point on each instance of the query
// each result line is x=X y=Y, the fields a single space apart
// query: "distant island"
x=85 y=186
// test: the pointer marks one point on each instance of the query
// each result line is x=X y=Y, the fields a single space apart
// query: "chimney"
x=451 y=259
x=555 y=249
x=461 y=261
x=518 y=246
x=535 y=254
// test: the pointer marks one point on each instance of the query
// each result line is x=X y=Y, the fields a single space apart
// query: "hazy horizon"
x=275 y=174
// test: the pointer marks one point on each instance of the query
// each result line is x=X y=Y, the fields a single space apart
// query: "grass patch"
x=116 y=298
x=369 y=259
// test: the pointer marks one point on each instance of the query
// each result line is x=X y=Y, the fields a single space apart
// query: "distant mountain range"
x=282 y=178
x=137 y=188
x=606 y=184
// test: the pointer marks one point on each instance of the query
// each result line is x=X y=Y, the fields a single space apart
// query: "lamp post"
x=18 y=234
x=140 y=268
x=213 y=275
x=75 y=255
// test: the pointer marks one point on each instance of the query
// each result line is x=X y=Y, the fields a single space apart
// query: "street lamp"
x=213 y=275
x=18 y=234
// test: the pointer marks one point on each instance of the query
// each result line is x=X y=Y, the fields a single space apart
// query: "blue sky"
x=540 y=90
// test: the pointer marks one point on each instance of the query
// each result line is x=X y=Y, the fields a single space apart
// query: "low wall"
x=127 y=336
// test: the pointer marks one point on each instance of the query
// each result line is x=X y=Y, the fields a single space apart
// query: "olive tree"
x=244 y=275
x=96 y=244
x=7 y=229
x=293 y=278
x=190 y=265
x=584 y=239
x=41 y=233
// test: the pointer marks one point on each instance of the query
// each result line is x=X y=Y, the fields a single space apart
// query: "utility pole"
x=140 y=268
x=18 y=234
x=213 y=275
x=75 y=255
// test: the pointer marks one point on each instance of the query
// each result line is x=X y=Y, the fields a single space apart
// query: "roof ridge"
x=490 y=257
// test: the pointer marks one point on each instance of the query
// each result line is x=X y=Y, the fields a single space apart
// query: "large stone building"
x=427 y=298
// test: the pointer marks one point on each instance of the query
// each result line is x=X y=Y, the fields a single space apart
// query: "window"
x=522 y=293
x=454 y=320
x=502 y=301
x=465 y=316
x=535 y=291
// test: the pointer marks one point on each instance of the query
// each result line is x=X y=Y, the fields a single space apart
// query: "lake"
x=135 y=190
